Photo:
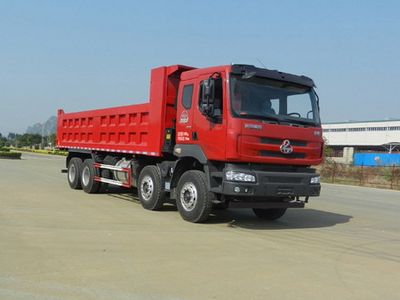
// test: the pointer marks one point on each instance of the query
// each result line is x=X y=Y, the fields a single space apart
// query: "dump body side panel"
x=119 y=129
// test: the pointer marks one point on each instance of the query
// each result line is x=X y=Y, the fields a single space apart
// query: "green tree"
x=51 y=139
x=28 y=140
x=3 y=141
x=11 y=136
x=327 y=151
x=12 y=139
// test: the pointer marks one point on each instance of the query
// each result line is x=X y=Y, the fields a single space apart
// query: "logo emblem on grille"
x=286 y=148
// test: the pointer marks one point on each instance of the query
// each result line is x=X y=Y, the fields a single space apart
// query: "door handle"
x=194 y=136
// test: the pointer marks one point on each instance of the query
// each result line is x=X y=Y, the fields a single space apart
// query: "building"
x=347 y=138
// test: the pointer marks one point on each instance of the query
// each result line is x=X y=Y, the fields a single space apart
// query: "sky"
x=79 y=55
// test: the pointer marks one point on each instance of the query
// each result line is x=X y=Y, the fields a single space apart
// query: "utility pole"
x=42 y=136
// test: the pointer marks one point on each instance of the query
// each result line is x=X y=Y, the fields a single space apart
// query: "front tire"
x=269 y=214
x=74 y=173
x=88 y=172
x=150 y=191
x=194 y=201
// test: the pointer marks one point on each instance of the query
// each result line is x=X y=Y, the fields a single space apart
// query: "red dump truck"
x=229 y=136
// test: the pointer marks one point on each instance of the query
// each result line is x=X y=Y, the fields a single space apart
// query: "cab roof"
x=242 y=69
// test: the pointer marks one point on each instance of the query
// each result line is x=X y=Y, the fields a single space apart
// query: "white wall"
x=367 y=134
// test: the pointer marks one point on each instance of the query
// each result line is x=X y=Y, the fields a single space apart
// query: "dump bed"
x=136 y=129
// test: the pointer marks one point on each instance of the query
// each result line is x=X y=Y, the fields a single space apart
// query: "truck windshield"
x=272 y=100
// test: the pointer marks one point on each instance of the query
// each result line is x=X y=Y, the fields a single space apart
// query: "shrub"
x=58 y=152
x=10 y=155
x=53 y=152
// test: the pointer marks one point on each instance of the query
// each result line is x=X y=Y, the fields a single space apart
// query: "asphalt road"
x=58 y=243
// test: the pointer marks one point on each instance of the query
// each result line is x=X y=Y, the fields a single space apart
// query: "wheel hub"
x=188 y=196
x=147 y=188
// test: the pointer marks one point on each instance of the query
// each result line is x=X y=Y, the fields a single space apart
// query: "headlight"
x=239 y=176
x=315 y=180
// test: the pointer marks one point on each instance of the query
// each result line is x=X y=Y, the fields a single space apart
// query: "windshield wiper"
x=304 y=122
x=263 y=117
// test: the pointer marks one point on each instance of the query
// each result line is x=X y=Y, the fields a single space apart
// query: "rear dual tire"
x=74 y=173
x=88 y=172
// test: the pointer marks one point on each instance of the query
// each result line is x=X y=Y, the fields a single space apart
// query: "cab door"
x=210 y=133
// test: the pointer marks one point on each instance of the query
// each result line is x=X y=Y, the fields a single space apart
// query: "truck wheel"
x=194 y=201
x=150 y=191
x=269 y=213
x=87 y=177
x=74 y=173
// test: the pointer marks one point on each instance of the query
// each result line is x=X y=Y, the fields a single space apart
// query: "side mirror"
x=207 y=97
x=208 y=86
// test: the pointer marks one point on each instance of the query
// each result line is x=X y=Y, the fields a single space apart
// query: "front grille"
x=277 y=179
x=273 y=141
x=281 y=155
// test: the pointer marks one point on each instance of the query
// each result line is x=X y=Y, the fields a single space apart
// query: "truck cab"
x=257 y=130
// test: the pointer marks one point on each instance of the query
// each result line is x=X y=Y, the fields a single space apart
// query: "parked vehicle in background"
x=233 y=136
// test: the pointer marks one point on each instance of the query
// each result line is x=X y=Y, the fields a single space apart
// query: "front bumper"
x=273 y=184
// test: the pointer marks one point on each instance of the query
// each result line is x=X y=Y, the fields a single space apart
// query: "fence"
x=376 y=159
x=382 y=177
